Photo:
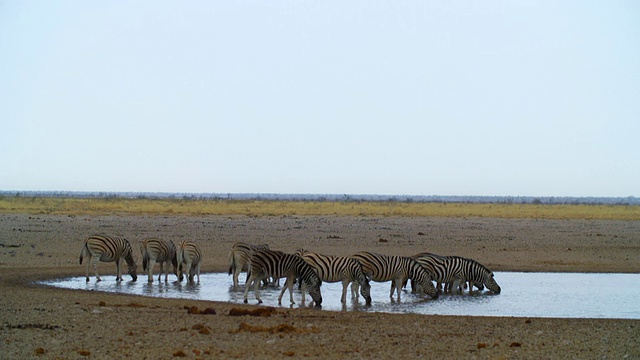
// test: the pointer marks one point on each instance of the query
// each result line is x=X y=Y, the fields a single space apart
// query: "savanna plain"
x=40 y=239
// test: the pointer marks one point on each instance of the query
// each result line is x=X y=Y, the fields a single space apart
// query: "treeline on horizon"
x=560 y=200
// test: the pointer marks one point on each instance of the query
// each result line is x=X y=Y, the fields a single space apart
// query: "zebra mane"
x=482 y=267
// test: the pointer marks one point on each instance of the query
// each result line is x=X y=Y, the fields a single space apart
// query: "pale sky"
x=505 y=98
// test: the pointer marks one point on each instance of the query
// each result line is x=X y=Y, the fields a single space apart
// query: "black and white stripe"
x=161 y=251
x=276 y=264
x=382 y=268
x=108 y=249
x=239 y=258
x=338 y=268
x=455 y=269
x=189 y=260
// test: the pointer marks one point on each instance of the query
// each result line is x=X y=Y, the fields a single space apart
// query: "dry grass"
x=101 y=206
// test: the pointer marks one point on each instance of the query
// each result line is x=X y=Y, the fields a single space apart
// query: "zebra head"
x=427 y=287
x=131 y=262
x=365 y=289
x=312 y=280
x=422 y=278
x=133 y=268
x=314 y=291
x=492 y=284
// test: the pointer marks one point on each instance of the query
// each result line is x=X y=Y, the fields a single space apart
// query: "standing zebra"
x=189 y=256
x=335 y=268
x=276 y=264
x=239 y=257
x=161 y=251
x=452 y=269
x=382 y=268
x=108 y=249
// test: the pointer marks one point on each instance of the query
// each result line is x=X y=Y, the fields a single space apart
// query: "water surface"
x=564 y=295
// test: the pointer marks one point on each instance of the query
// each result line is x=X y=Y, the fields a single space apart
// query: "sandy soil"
x=41 y=322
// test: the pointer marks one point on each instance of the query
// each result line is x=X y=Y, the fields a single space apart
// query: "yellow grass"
x=123 y=206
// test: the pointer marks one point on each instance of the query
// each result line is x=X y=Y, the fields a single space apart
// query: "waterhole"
x=558 y=295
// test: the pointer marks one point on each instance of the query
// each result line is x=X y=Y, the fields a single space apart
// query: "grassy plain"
x=127 y=206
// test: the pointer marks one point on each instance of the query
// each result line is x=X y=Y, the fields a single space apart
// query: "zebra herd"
x=309 y=269
x=262 y=263
x=185 y=258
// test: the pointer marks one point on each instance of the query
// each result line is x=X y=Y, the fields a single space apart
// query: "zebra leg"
x=188 y=272
x=166 y=271
x=284 y=288
x=95 y=268
x=292 y=282
x=118 y=270
x=302 y=287
x=198 y=271
x=396 y=284
x=345 y=285
x=256 y=289
x=246 y=294
x=287 y=285
x=150 y=265
x=457 y=283
x=354 y=290
x=236 y=274
x=87 y=268
x=393 y=288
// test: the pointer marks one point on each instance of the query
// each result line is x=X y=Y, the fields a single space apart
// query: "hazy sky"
x=518 y=98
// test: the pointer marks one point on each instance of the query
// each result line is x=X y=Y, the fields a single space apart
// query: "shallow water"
x=564 y=295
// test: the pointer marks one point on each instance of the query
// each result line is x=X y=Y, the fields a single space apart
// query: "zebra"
x=108 y=249
x=161 y=251
x=271 y=263
x=441 y=277
x=382 y=268
x=452 y=269
x=335 y=268
x=189 y=256
x=239 y=257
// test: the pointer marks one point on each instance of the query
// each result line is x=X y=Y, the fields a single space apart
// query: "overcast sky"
x=519 y=98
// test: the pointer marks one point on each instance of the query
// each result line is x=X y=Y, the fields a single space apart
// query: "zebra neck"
x=417 y=272
x=129 y=259
x=306 y=273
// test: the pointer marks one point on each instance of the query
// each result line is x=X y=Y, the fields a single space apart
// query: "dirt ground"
x=51 y=323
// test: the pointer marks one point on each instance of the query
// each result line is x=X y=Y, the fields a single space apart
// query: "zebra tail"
x=145 y=259
x=82 y=252
x=232 y=262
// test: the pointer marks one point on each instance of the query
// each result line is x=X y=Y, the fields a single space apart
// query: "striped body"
x=189 y=260
x=108 y=249
x=336 y=268
x=452 y=269
x=161 y=251
x=276 y=264
x=239 y=258
x=397 y=269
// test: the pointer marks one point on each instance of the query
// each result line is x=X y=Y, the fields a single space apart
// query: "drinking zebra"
x=161 y=251
x=382 y=268
x=239 y=258
x=452 y=269
x=336 y=268
x=108 y=249
x=276 y=264
x=189 y=257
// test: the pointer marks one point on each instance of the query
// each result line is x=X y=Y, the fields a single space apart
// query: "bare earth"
x=41 y=322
